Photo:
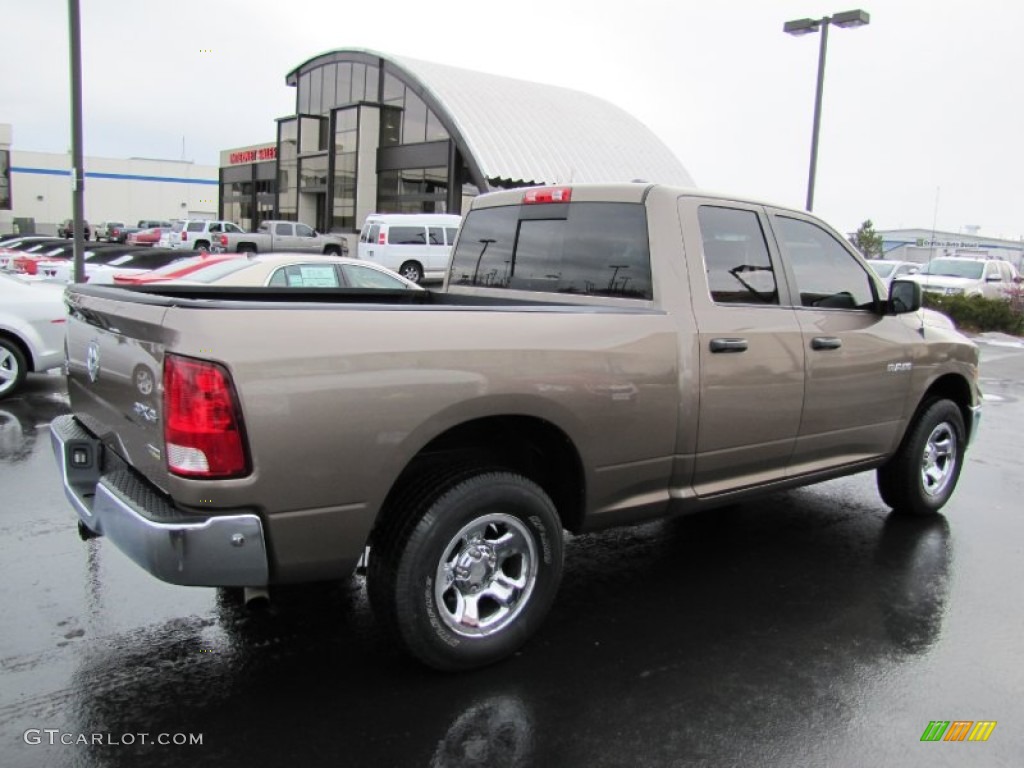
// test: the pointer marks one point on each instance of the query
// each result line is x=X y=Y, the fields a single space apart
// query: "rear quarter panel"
x=337 y=401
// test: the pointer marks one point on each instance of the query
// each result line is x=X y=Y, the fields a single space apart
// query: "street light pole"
x=813 y=172
x=77 y=172
x=856 y=18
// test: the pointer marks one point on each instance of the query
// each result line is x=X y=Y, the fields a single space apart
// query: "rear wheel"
x=202 y=245
x=12 y=367
x=332 y=250
x=921 y=476
x=465 y=574
x=411 y=270
x=246 y=248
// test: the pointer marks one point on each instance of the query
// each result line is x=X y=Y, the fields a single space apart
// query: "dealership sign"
x=253 y=155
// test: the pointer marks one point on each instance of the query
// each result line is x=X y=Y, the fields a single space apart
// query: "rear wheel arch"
x=16 y=340
x=533 y=447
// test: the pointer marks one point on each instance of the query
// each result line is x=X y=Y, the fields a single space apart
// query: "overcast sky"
x=921 y=125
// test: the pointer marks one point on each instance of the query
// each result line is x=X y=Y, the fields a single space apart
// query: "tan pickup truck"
x=599 y=355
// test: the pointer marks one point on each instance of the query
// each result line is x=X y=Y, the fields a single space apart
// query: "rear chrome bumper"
x=115 y=502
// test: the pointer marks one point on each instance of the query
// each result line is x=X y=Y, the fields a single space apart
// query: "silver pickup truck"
x=290 y=236
x=598 y=355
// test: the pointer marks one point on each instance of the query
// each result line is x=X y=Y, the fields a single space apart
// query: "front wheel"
x=921 y=476
x=471 y=570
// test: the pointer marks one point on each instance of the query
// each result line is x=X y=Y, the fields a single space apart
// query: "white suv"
x=196 y=234
x=959 y=276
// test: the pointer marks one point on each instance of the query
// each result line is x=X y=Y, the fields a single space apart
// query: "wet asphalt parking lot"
x=807 y=629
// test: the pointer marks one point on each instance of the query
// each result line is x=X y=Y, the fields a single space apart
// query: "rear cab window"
x=581 y=248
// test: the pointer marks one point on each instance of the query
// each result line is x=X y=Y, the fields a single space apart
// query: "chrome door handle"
x=728 y=345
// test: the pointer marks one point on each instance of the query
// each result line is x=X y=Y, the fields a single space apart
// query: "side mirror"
x=904 y=297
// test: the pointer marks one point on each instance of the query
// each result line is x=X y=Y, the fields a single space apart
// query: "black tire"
x=922 y=474
x=332 y=250
x=246 y=248
x=452 y=525
x=12 y=367
x=201 y=245
x=411 y=270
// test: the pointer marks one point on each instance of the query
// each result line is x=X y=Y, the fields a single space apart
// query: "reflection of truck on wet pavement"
x=599 y=355
x=280 y=236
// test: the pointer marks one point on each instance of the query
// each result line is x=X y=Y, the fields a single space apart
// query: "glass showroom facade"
x=365 y=138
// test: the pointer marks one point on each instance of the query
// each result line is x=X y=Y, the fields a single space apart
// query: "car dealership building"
x=379 y=133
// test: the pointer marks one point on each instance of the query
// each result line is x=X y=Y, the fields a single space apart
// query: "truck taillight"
x=224 y=240
x=203 y=432
x=547 y=195
x=382 y=238
x=184 y=235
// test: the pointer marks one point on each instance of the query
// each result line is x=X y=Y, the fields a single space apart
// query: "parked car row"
x=34 y=270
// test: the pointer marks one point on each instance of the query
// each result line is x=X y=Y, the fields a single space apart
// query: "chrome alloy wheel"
x=10 y=369
x=938 y=464
x=486 y=575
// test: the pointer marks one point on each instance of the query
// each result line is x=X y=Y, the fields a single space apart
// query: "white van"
x=415 y=245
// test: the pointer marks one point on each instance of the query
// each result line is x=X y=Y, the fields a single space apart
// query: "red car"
x=177 y=269
x=147 y=236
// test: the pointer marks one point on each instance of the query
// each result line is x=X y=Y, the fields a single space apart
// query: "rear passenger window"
x=436 y=235
x=407 y=236
x=590 y=249
x=450 y=233
x=827 y=275
x=736 y=259
x=195 y=226
x=282 y=229
x=365 y=277
x=306 y=276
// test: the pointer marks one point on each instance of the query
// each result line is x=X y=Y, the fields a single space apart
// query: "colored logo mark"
x=958 y=730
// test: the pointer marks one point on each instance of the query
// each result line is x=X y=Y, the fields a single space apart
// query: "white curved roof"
x=523 y=131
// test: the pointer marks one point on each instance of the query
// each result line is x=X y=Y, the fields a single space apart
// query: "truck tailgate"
x=115 y=351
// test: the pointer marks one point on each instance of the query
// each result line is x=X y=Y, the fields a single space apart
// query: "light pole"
x=856 y=18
